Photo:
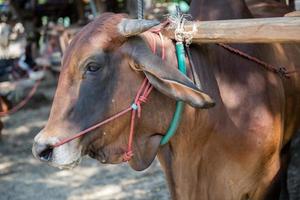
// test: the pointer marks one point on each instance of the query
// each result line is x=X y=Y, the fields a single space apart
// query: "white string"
x=177 y=22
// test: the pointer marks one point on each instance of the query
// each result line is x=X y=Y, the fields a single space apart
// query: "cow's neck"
x=192 y=157
x=218 y=10
x=191 y=171
x=191 y=160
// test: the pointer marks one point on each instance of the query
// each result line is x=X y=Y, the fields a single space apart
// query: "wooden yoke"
x=263 y=30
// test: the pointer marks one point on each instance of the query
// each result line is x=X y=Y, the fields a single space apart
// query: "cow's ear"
x=168 y=80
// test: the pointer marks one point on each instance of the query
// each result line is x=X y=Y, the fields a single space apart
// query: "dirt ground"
x=24 y=178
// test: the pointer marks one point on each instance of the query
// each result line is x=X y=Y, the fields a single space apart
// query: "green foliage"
x=42 y=2
x=173 y=1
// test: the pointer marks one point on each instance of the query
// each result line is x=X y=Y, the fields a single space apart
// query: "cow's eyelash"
x=93 y=67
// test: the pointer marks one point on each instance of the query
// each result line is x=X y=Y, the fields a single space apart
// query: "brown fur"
x=267 y=8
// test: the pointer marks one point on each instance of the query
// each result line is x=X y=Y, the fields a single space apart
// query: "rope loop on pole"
x=178 y=22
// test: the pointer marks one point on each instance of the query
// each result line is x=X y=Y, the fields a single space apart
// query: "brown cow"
x=267 y=8
x=230 y=151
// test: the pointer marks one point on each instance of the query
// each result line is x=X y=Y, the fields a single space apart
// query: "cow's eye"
x=93 y=67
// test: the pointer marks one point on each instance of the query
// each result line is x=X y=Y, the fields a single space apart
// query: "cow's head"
x=97 y=81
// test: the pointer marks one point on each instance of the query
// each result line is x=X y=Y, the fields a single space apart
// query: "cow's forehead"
x=96 y=36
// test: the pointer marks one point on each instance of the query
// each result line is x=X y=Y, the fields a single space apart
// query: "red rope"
x=140 y=98
x=163 y=51
x=22 y=103
x=145 y=89
x=281 y=70
x=78 y=135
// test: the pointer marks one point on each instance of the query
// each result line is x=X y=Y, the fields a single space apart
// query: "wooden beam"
x=263 y=30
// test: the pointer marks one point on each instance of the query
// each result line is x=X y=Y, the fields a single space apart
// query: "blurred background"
x=33 y=37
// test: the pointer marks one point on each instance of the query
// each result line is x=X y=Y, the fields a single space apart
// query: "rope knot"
x=137 y=107
x=282 y=71
x=142 y=99
x=127 y=156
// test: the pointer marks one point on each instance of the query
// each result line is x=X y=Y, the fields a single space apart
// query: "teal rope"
x=179 y=104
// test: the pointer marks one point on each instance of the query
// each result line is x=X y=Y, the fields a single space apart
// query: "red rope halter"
x=140 y=98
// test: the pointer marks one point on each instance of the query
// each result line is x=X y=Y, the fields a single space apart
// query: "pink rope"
x=22 y=103
x=81 y=133
x=281 y=71
x=78 y=135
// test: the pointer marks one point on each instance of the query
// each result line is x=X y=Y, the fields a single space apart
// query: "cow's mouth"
x=68 y=166
x=98 y=155
x=65 y=157
x=107 y=155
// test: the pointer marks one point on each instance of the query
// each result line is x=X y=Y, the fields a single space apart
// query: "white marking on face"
x=66 y=154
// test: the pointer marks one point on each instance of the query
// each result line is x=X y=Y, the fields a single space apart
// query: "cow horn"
x=130 y=27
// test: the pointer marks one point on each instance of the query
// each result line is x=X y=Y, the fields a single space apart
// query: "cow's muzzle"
x=64 y=156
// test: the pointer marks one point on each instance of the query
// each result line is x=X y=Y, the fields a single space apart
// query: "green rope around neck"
x=179 y=104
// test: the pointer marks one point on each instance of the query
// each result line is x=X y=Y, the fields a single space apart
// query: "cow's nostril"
x=44 y=152
x=46 y=155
